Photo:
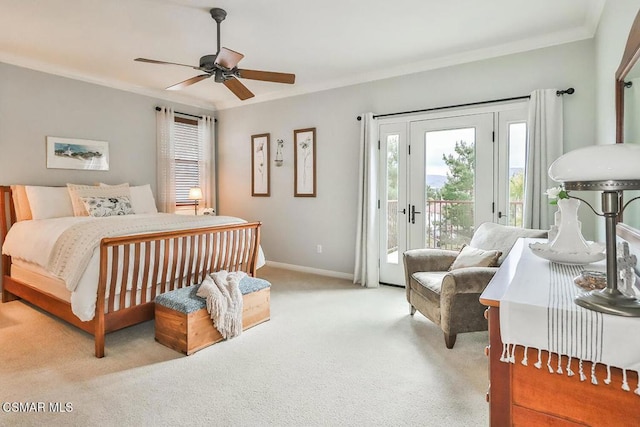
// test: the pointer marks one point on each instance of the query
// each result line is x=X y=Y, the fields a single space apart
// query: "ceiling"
x=327 y=44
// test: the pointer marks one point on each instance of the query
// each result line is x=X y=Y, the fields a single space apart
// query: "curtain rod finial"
x=569 y=91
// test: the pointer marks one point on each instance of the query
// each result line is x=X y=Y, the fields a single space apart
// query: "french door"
x=436 y=185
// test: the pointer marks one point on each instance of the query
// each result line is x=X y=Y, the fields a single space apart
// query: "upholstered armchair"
x=450 y=298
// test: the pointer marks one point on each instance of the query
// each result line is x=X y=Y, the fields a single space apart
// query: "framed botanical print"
x=304 y=166
x=260 y=168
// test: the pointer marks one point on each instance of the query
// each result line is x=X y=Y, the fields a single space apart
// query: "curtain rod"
x=569 y=91
x=187 y=114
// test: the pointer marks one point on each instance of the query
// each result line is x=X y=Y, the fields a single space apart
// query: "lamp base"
x=610 y=301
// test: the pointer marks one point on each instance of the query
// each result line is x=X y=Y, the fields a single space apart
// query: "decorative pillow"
x=78 y=191
x=142 y=198
x=107 y=206
x=49 y=202
x=474 y=257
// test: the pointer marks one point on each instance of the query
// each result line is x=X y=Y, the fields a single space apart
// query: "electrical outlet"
x=319 y=249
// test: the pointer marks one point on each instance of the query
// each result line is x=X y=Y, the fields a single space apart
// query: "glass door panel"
x=451 y=180
x=511 y=160
x=450 y=187
x=391 y=190
x=393 y=223
x=517 y=146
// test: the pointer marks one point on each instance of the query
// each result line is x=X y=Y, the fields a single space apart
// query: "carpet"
x=333 y=354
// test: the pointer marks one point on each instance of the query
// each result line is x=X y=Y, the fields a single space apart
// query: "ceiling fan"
x=223 y=67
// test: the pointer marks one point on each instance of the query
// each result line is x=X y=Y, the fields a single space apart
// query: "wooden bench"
x=183 y=323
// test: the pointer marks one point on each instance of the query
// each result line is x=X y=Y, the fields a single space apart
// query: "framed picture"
x=66 y=153
x=260 y=167
x=304 y=166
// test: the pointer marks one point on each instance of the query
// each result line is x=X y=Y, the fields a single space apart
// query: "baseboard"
x=328 y=273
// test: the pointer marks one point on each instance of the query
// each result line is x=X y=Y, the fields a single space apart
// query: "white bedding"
x=34 y=241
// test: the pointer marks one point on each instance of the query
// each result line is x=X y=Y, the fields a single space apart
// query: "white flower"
x=553 y=192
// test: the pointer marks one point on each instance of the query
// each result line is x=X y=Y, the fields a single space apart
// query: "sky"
x=443 y=142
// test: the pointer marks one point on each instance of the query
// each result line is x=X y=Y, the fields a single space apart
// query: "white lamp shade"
x=195 y=193
x=598 y=163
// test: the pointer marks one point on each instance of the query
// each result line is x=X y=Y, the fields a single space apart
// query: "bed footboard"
x=134 y=269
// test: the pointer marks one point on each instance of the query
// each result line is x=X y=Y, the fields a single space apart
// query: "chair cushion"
x=429 y=280
x=474 y=257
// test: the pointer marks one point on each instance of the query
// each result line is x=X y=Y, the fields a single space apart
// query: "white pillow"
x=76 y=192
x=49 y=202
x=474 y=257
x=142 y=198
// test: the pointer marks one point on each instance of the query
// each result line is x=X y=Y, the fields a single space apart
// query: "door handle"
x=499 y=214
x=413 y=214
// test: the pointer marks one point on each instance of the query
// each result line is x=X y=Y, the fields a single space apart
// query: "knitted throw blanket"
x=224 y=301
x=74 y=248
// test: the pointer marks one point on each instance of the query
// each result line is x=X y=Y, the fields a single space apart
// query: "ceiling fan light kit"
x=223 y=67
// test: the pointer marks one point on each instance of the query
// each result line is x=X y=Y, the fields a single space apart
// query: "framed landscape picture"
x=67 y=153
x=304 y=148
x=260 y=168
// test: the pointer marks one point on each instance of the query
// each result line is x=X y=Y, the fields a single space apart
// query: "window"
x=187 y=155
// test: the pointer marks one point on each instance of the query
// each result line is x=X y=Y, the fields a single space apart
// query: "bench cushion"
x=186 y=301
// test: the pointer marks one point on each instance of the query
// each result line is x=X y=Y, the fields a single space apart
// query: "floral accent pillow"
x=107 y=206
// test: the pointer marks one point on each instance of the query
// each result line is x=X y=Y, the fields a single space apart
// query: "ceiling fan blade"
x=228 y=58
x=238 y=88
x=154 y=61
x=189 y=82
x=267 y=76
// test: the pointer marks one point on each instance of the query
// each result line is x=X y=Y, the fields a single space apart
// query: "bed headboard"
x=7 y=218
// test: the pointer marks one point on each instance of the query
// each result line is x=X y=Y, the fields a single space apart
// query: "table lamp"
x=610 y=169
x=195 y=194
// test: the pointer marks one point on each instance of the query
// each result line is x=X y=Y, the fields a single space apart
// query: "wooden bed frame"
x=228 y=247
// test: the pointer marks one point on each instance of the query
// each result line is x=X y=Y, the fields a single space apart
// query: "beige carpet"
x=332 y=354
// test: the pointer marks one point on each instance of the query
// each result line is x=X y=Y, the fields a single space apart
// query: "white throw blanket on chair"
x=224 y=301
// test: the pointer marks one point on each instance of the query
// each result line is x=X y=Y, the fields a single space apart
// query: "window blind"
x=186 y=152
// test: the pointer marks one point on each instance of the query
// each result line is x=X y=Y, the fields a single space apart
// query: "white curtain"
x=544 y=145
x=166 y=166
x=206 y=138
x=366 y=268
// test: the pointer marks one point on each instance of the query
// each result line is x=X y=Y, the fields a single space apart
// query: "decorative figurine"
x=626 y=270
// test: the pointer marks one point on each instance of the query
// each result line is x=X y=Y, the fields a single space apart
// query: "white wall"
x=294 y=226
x=34 y=105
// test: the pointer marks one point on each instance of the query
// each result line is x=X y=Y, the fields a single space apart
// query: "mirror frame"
x=629 y=58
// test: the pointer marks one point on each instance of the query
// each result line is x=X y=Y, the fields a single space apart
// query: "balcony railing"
x=449 y=223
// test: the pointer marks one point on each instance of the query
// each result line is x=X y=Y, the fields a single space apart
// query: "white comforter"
x=35 y=242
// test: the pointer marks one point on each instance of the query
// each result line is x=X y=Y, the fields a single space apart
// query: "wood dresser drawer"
x=570 y=399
